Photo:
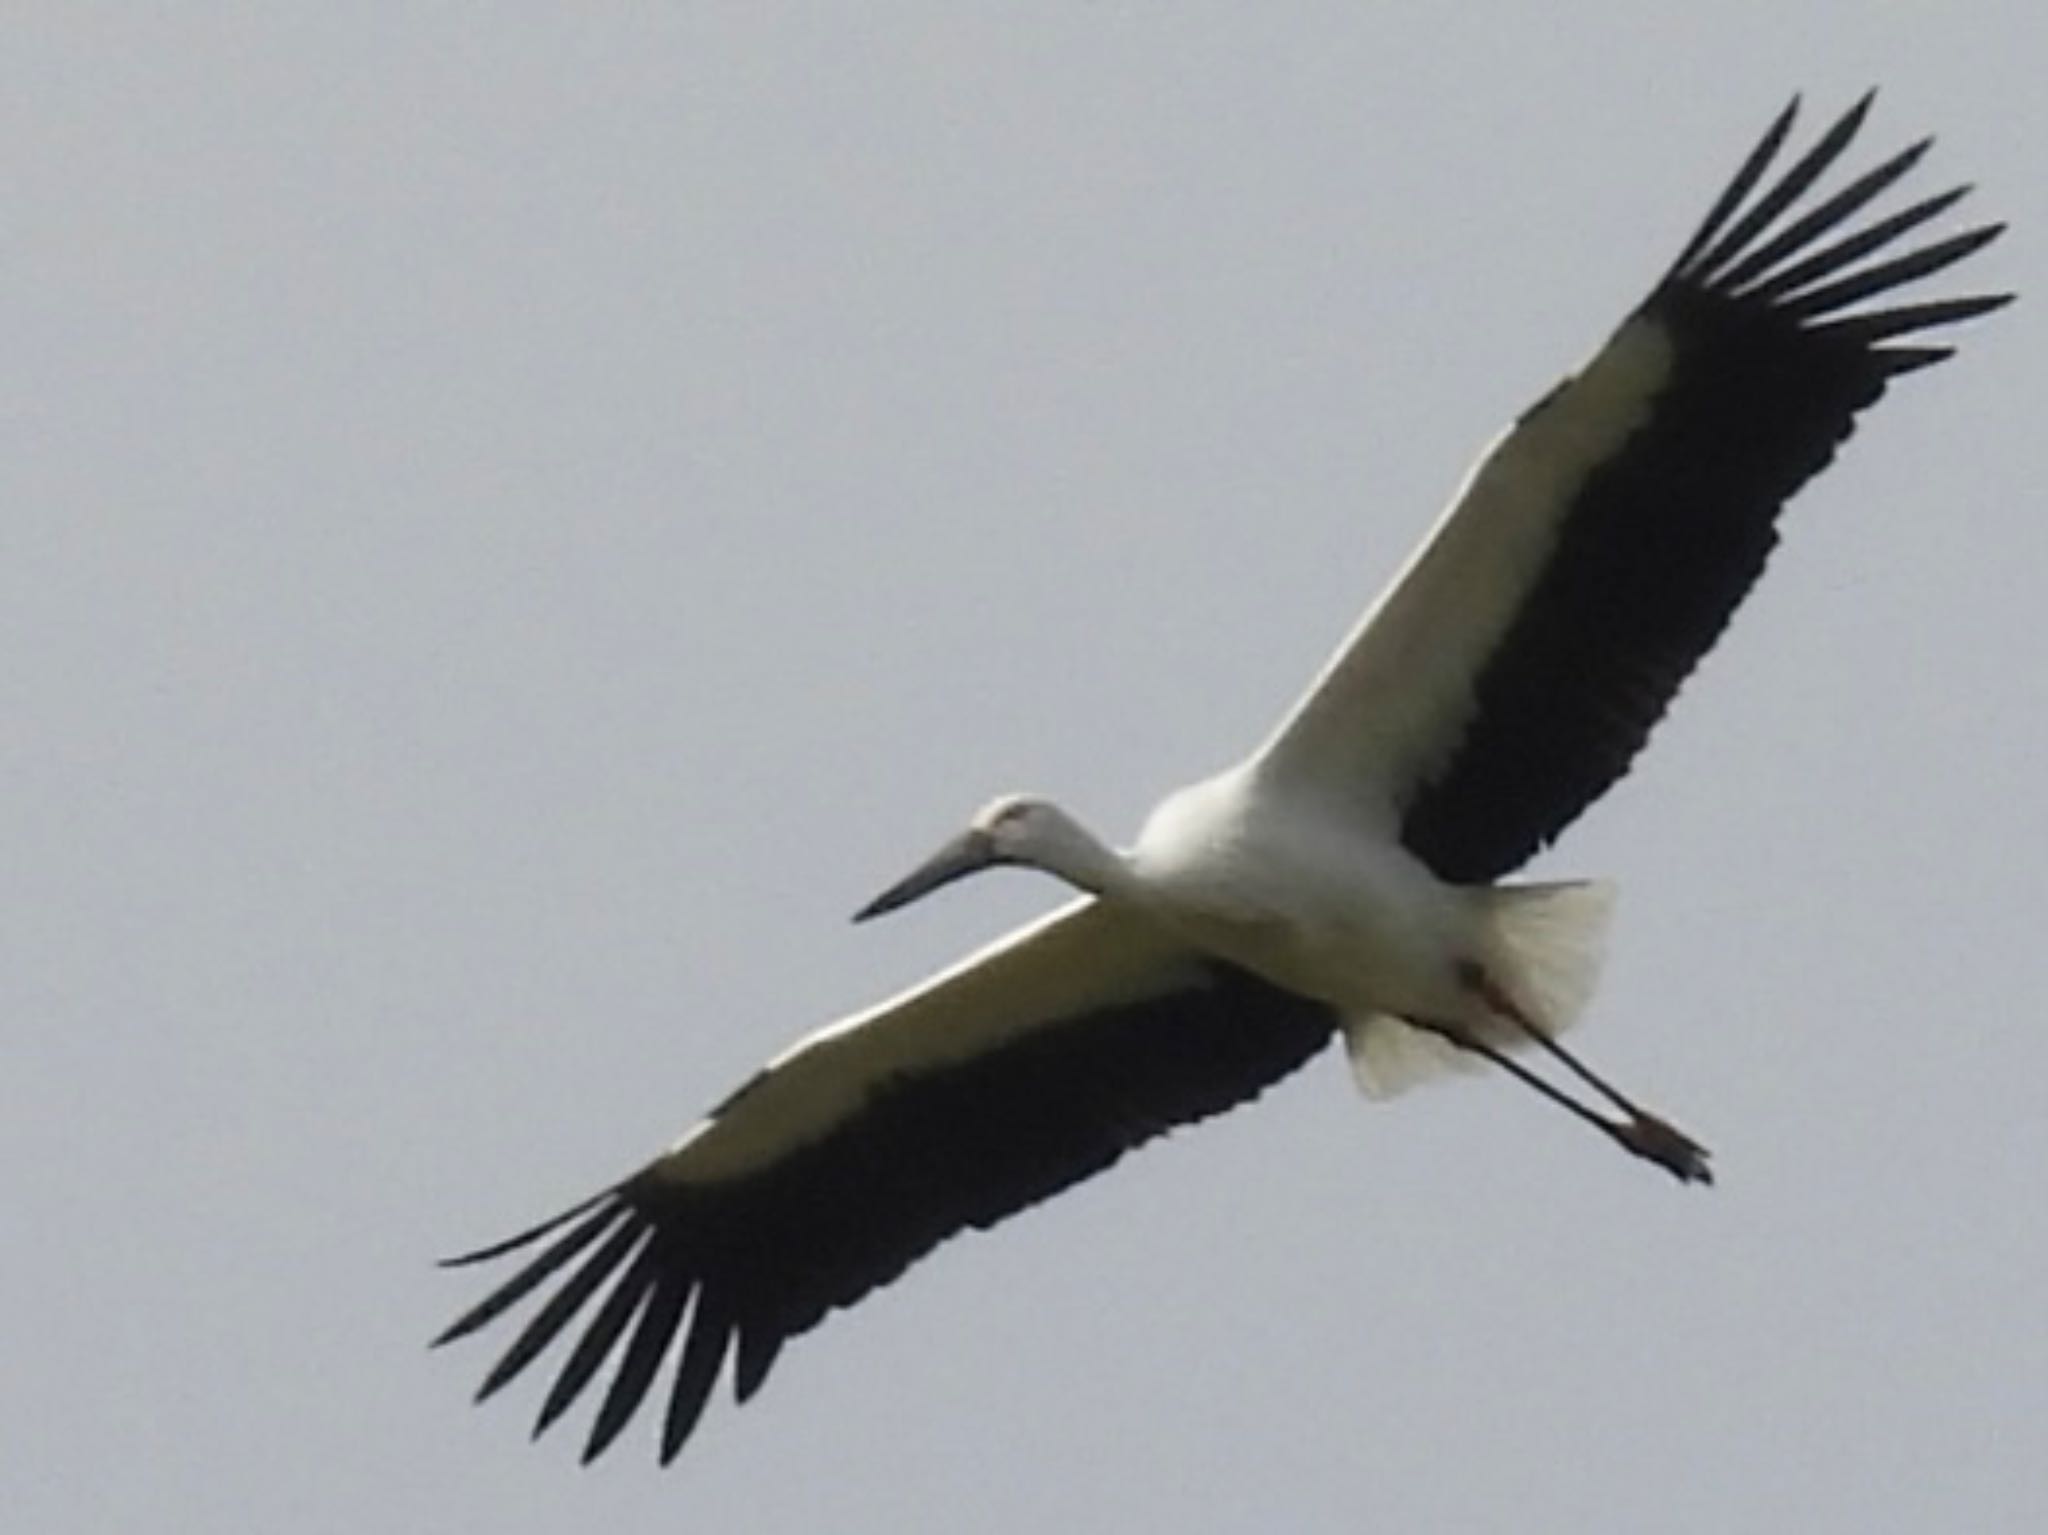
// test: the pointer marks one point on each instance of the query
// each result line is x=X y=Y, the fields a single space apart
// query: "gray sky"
x=519 y=519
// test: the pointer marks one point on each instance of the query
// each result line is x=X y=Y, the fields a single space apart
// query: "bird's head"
x=1016 y=829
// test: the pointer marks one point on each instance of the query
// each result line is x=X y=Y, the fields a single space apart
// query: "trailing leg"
x=1642 y=1134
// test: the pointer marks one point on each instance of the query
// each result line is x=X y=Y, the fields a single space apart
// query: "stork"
x=1343 y=880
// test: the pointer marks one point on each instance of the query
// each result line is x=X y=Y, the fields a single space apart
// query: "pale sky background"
x=518 y=519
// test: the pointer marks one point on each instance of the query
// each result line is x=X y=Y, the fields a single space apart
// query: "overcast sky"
x=517 y=519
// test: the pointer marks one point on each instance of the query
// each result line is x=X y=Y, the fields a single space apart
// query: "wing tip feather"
x=529 y=1236
x=1757 y=247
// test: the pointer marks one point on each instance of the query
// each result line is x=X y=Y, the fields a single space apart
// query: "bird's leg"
x=1646 y=1134
x=1465 y=1040
x=1643 y=1135
x=1473 y=977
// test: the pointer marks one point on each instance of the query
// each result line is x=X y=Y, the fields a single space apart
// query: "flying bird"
x=1342 y=880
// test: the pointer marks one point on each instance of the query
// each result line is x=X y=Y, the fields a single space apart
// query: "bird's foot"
x=1669 y=1147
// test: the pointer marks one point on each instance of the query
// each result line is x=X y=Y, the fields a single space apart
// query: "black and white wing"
x=1515 y=668
x=1024 y=1069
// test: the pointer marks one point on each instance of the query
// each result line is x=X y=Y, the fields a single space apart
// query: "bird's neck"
x=1090 y=865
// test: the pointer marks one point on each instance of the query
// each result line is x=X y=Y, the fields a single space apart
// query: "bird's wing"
x=1027 y=1067
x=1516 y=666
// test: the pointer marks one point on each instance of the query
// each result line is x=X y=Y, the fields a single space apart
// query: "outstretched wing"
x=1027 y=1068
x=1518 y=664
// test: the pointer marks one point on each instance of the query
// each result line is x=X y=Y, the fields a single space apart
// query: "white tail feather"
x=1544 y=947
x=1389 y=1057
x=1548 y=943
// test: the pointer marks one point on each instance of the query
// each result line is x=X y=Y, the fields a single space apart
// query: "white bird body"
x=1309 y=897
x=1343 y=880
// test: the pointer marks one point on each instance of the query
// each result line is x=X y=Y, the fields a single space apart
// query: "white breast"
x=1304 y=897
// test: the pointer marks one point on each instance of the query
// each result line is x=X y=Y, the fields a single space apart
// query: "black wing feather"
x=1783 y=192
x=1741 y=184
x=513 y=1291
x=561 y=1306
x=657 y=1328
x=1803 y=231
x=600 y=1338
x=1665 y=538
x=756 y=1260
x=703 y=1353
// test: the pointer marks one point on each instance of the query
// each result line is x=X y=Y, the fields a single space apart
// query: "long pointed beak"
x=965 y=854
